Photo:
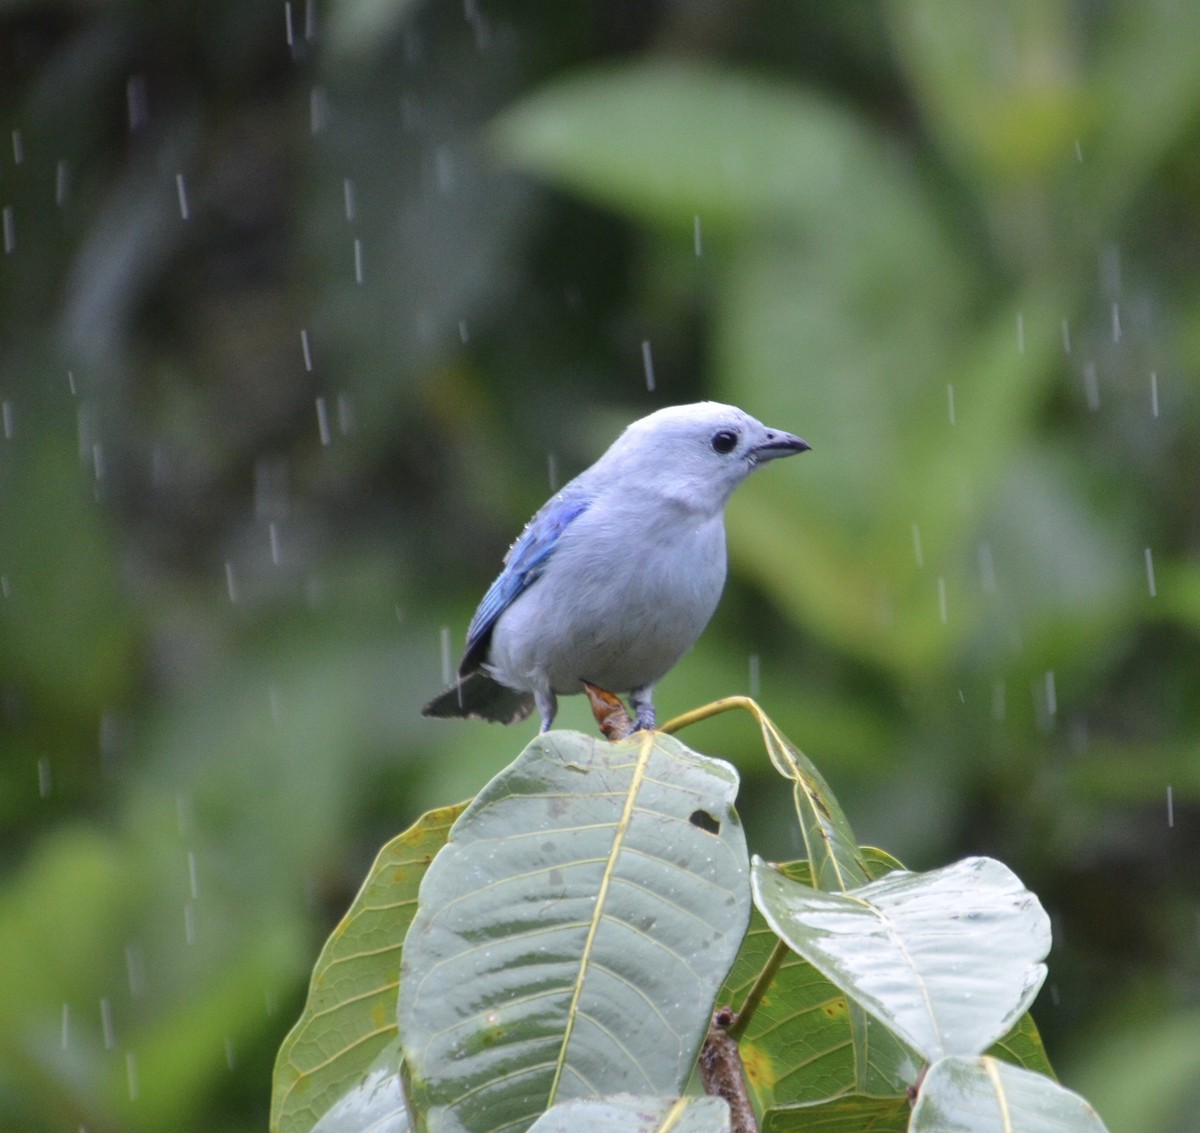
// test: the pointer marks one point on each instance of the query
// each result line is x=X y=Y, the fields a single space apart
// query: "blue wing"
x=523 y=566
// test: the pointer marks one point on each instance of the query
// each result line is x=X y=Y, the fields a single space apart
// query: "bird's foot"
x=641 y=700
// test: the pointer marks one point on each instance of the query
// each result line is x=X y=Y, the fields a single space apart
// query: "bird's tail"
x=477 y=695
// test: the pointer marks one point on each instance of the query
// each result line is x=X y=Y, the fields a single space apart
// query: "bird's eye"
x=724 y=441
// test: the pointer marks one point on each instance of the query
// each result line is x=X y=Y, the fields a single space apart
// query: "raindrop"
x=109 y=740
x=446 y=655
x=71 y=383
x=942 y=611
x=307 y=350
x=358 y=261
x=648 y=365
x=463 y=334
x=950 y=400
x=5 y=586
x=918 y=553
x=1020 y=333
x=987 y=568
x=66 y=1025
x=1170 y=807
x=310 y=20
x=6 y=419
x=18 y=148
x=1091 y=387
x=318 y=109
x=135 y=101
x=135 y=970
x=1078 y=151
x=443 y=167
x=98 y=460
x=552 y=471
x=10 y=231
x=1066 y=336
x=106 y=1023
x=288 y=32
x=755 y=678
x=273 y=535
x=193 y=884
x=230 y=1056
x=345 y=415
x=45 y=779
x=323 y=422
x=62 y=183
x=348 y=198
x=131 y=1074
x=1154 y=393
x=181 y=192
x=1051 y=694
x=1150 y=574
x=1116 y=322
x=230 y=581
x=697 y=246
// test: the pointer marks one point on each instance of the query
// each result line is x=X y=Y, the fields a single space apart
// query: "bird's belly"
x=619 y=627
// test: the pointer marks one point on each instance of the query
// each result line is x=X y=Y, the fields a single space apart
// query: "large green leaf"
x=670 y=141
x=984 y=1095
x=948 y=960
x=804 y=1042
x=573 y=933
x=628 y=1113
x=350 y=1017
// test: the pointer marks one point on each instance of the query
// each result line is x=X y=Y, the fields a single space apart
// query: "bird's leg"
x=547 y=706
x=641 y=700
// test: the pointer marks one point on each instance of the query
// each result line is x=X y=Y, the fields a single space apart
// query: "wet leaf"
x=348 y=1026
x=573 y=933
x=984 y=1095
x=948 y=960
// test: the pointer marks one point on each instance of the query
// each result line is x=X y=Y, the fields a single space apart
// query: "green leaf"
x=669 y=141
x=349 y=1021
x=948 y=960
x=573 y=933
x=805 y=1043
x=375 y=1103
x=832 y=848
x=629 y=1113
x=852 y=1114
x=983 y=1095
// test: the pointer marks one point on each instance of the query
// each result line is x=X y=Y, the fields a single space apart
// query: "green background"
x=294 y=337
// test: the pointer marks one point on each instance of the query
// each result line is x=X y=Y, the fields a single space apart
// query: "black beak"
x=779 y=443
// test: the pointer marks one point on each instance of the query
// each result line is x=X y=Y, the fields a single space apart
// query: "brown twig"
x=721 y=1071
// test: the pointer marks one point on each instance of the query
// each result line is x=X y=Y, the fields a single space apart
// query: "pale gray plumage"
x=617 y=575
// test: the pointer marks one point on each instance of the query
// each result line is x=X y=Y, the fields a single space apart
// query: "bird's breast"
x=620 y=601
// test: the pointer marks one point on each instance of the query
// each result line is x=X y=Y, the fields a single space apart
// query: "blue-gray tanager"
x=617 y=575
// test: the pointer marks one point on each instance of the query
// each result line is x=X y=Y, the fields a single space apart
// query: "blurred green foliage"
x=300 y=306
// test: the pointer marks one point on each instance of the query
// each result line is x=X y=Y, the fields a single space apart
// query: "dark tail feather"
x=478 y=696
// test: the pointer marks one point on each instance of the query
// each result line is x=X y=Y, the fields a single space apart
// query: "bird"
x=615 y=577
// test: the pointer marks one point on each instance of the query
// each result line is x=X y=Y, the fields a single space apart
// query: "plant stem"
x=755 y=994
x=725 y=704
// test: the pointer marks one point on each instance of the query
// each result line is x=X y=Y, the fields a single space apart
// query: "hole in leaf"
x=705 y=821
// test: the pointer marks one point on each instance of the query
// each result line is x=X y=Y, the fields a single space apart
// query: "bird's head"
x=697 y=454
